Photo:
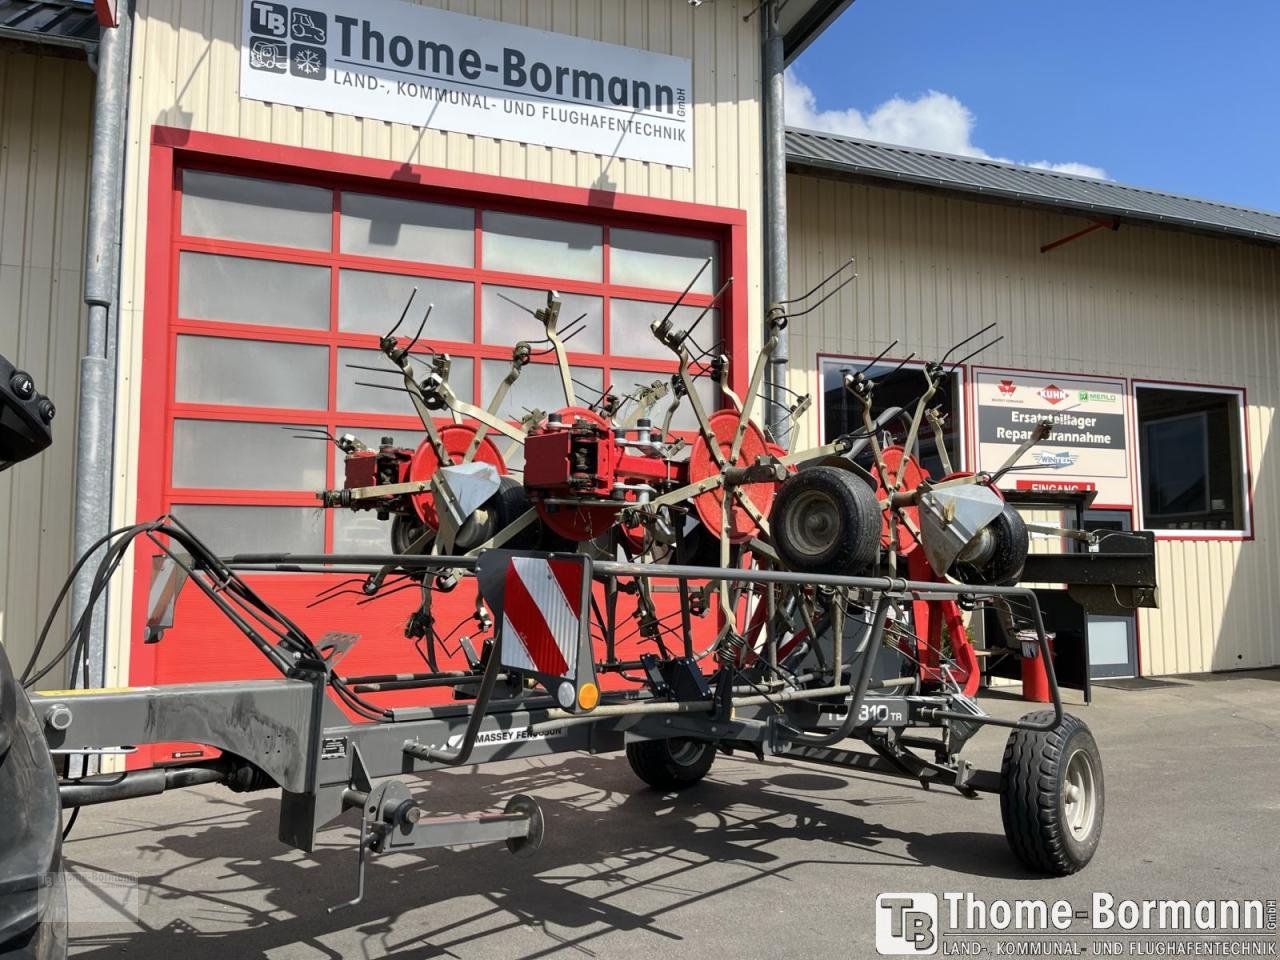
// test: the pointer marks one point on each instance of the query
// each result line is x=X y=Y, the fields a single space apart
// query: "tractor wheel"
x=671 y=764
x=1051 y=795
x=1006 y=555
x=826 y=520
x=405 y=530
x=509 y=504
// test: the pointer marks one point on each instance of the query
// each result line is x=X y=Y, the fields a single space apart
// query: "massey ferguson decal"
x=1087 y=448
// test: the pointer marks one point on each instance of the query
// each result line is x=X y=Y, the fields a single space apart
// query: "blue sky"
x=1176 y=95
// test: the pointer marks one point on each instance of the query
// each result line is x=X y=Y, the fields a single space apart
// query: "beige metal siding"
x=45 y=110
x=1140 y=303
x=186 y=74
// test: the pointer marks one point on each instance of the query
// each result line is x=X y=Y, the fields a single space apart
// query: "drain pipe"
x=775 y=214
x=95 y=437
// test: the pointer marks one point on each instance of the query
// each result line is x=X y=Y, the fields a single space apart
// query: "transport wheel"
x=404 y=531
x=510 y=503
x=671 y=764
x=826 y=520
x=1005 y=555
x=1051 y=795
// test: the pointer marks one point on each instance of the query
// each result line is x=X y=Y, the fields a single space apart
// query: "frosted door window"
x=245 y=456
x=399 y=229
x=638 y=258
x=373 y=302
x=360 y=532
x=539 y=387
x=252 y=373
x=548 y=248
x=229 y=529
x=390 y=397
x=504 y=323
x=240 y=290
x=256 y=211
x=630 y=334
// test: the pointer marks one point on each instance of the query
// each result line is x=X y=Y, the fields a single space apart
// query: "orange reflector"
x=588 y=696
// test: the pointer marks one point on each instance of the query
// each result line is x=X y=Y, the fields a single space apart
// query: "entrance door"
x=1113 y=641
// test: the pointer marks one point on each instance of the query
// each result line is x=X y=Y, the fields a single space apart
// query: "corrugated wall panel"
x=45 y=108
x=186 y=74
x=1140 y=303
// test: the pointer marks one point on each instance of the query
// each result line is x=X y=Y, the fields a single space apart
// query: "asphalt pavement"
x=774 y=859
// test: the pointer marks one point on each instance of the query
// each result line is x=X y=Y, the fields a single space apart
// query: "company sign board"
x=1087 y=448
x=426 y=67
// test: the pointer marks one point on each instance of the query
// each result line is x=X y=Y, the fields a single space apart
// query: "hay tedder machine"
x=672 y=596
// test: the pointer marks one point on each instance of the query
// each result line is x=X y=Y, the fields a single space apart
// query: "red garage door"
x=271 y=284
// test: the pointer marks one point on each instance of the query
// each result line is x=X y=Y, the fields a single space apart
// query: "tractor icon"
x=309 y=26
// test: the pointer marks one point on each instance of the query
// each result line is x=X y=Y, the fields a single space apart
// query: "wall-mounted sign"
x=1087 y=448
x=427 y=67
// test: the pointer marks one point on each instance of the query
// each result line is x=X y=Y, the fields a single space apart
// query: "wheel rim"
x=1079 y=795
x=813 y=523
x=685 y=753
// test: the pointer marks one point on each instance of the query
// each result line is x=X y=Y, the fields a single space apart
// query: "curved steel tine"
x=403 y=313
x=883 y=353
x=985 y=346
x=968 y=339
x=422 y=326
x=829 y=294
x=515 y=303
x=684 y=293
x=362 y=366
x=911 y=356
x=822 y=283
x=381 y=386
x=708 y=308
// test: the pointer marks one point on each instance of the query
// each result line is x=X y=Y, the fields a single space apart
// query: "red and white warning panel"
x=541 y=602
x=541 y=615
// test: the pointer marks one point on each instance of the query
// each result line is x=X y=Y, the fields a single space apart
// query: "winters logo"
x=1055 y=461
x=288 y=40
x=1054 y=393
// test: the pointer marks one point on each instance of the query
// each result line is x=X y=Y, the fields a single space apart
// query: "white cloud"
x=932 y=121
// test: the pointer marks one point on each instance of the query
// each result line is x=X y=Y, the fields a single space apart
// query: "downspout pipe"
x=773 y=69
x=95 y=435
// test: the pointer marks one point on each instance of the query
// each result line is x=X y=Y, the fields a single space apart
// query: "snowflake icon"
x=307 y=62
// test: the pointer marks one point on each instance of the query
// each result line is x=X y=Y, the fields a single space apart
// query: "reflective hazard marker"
x=541 y=615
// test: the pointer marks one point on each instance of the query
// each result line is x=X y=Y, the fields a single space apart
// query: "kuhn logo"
x=1054 y=393
x=1006 y=387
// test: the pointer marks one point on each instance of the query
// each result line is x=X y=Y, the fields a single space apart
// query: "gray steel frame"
x=292 y=731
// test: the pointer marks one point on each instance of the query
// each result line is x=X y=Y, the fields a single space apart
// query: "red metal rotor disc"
x=455 y=438
x=724 y=423
x=899 y=464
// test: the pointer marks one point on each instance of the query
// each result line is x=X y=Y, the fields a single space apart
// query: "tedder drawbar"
x=806 y=604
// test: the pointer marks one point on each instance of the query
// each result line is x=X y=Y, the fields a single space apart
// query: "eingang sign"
x=427 y=67
x=1087 y=448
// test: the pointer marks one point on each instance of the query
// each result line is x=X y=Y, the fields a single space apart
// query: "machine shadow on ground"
x=224 y=884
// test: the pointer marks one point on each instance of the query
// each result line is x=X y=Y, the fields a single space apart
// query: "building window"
x=895 y=387
x=1191 y=467
x=283 y=290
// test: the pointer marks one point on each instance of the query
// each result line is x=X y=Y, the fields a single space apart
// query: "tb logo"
x=906 y=924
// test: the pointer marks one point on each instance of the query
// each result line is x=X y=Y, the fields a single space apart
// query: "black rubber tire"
x=849 y=540
x=510 y=503
x=1008 y=556
x=1033 y=797
x=671 y=764
x=404 y=531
